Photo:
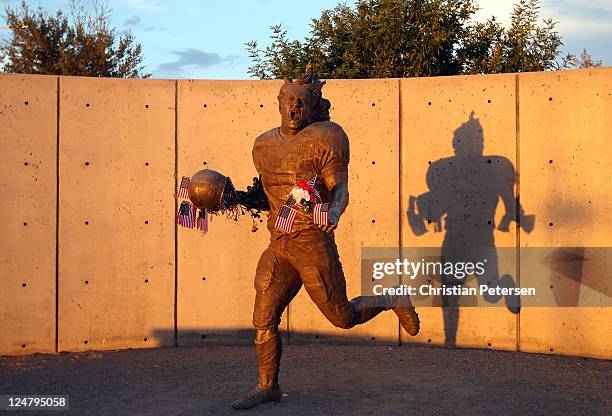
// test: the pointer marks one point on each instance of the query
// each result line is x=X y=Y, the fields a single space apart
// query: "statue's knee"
x=343 y=322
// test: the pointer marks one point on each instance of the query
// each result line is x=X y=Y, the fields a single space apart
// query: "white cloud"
x=576 y=18
x=583 y=29
x=500 y=9
x=191 y=58
x=579 y=18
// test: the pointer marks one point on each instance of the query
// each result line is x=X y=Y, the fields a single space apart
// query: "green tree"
x=81 y=43
x=584 y=61
x=408 y=38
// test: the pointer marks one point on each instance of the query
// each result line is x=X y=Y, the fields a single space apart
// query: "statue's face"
x=295 y=106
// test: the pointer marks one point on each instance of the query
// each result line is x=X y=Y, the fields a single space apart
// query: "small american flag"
x=183 y=193
x=319 y=214
x=186 y=216
x=202 y=223
x=312 y=182
x=286 y=216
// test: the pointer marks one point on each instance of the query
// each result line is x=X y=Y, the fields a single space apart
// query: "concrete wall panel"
x=565 y=121
x=218 y=122
x=368 y=112
x=28 y=144
x=432 y=109
x=116 y=223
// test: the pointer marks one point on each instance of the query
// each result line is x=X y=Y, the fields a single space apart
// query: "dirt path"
x=318 y=380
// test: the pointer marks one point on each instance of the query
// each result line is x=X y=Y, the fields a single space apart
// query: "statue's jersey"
x=320 y=149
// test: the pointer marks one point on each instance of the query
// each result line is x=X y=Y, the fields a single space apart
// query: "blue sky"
x=205 y=39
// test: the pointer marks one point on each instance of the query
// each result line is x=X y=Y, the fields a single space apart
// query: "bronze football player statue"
x=306 y=145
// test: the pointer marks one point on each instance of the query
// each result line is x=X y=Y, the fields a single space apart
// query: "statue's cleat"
x=409 y=319
x=258 y=395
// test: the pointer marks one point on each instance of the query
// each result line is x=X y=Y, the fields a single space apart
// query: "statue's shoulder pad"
x=330 y=131
x=262 y=137
x=328 y=126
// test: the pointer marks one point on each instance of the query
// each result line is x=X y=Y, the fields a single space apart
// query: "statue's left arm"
x=334 y=172
x=337 y=204
x=506 y=180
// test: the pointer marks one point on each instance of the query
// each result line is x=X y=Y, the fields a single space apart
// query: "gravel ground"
x=317 y=380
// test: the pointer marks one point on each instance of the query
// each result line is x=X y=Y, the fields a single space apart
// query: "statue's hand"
x=331 y=226
x=328 y=229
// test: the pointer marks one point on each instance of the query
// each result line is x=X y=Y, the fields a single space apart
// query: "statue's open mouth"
x=294 y=115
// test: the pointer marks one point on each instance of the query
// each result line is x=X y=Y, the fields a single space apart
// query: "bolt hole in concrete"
x=23 y=345
x=550 y=224
x=146 y=106
x=205 y=106
x=146 y=163
x=549 y=98
x=489 y=101
x=85 y=342
x=373 y=104
x=146 y=222
x=145 y=339
x=373 y=162
x=551 y=286
x=86 y=163
x=428 y=340
x=260 y=105
x=429 y=103
x=146 y=280
x=204 y=163
x=26 y=103
x=23 y=284
x=550 y=161
x=86 y=282
x=552 y=349
x=86 y=222
x=25 y=163
x=203 y=278
x=87 y=105
x=25 y=224
x=489 y=344
x=373 y=221
x=373 y=338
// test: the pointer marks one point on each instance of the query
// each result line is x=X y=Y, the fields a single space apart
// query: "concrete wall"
x=28 y=185
x=217 y=124
x=566 y=120
x=116 y=213
x=108 y=155
x=432 y=109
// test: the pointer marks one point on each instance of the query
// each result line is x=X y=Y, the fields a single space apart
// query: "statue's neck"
x=287 y=133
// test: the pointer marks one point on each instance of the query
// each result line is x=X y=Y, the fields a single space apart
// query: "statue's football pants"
x=309 y=258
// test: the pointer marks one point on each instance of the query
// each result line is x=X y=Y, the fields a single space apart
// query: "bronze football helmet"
x=206 y=189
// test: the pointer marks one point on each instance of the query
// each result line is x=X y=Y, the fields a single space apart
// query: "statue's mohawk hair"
x=310 y=80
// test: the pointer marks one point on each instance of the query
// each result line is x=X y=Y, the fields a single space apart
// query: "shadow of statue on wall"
x=464 y=192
